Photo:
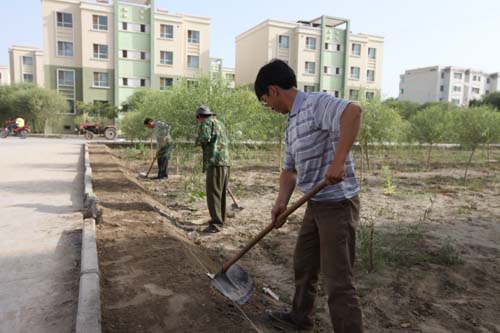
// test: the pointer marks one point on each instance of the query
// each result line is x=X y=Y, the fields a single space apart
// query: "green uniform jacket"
x=213 y=139
x=161 y=132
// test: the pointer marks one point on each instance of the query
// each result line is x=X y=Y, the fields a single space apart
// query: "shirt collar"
x=297 y=103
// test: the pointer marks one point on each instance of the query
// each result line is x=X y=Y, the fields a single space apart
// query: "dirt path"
x=437 y=238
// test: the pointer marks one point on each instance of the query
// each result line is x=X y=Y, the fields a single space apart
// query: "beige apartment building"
x=4 y=75
x=451 y=84
x=323 y=53
x=26 y=65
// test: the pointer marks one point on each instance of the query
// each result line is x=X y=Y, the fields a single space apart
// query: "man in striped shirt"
x=320 y=133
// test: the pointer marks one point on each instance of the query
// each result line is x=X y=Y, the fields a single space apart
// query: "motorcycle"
x=21 y=132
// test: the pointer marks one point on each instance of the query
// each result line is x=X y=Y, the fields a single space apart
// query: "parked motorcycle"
x=21 y=132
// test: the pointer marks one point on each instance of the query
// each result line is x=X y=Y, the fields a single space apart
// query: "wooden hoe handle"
x=270 y=227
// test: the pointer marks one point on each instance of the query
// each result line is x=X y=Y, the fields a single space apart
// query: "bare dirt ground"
x=435 y=247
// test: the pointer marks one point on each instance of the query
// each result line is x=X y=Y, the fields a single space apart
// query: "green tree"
x=430 y=126
x=36 y=105
x=491 y=99
x=475 y=126
x=381 y=124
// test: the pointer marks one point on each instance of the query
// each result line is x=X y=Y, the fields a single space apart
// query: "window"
x=353 y=94
x=474 y=78
x=230 y=76
x=65 y=49
x=310 y=43
x=475 y=90
x=356 y=49
x=135 y=27
x=355 y=73
x=100 y=51
x=100 y=22
x=136 y=55
x=309 y=88
x=455 y=101
x=457 y=88
x=166 y=58
x=125 y=81
x=101 y=79
x=330 y=70
x=166 y=82
x=441 y=88
x=487 y=92
x=193 y=61
x=309 y=67
x=166 y=31
x=401 y=91
x=71 y=106
x=27 y=61
x=193 y=36
x=370 y=95
x=283 y=41
x=336 y=93
x=333 y=47
x=64 y=20
x=372 y=53
x=479 y=79
x=143 y=82
x=488 y=81
x=65 y=78
x=442 y=75
x=370 y=75
x=457 y=76
x=28 y=77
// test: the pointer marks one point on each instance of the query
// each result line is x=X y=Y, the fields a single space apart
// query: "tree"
x=404 y=108
x=429 y=126
x=492 y=99
x=381 y=124
x=36 y=105
x=96 y=112
x=475 y=126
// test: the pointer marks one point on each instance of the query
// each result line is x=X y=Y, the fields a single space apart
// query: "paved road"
x=40 y=234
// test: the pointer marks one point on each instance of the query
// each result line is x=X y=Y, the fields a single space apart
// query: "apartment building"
x=323 y=53
x=218 y=70
x=105 y=50
x=26 y=65
x=4 y=75
x=455 y=85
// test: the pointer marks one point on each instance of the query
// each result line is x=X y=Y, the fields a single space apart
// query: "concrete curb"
x=88 y=316
x=89 y=197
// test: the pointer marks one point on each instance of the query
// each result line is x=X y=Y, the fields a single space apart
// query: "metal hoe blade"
x=235 y=284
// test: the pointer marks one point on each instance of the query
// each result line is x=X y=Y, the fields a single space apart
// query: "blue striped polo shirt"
x=311 y=136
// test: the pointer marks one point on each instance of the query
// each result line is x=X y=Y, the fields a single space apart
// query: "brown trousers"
x=327 y=241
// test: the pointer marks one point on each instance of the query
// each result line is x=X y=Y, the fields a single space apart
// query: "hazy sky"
x=417 y=33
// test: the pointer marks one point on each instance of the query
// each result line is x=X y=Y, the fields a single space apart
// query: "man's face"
x=150 y=125
x=273 y=100
x=201 y=119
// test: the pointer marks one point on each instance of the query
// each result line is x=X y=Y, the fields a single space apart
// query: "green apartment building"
x=106 y=50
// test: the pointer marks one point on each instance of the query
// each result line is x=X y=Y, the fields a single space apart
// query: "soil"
x=153 y=267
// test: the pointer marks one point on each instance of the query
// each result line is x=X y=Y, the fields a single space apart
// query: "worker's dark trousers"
x=217 y=178
x=327 y=242
x=163 y=156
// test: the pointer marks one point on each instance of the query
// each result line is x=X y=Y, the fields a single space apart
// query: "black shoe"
x=285 y=318
x=211 y=229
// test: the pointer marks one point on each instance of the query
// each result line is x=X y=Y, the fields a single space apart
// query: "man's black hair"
x=147 y=120
x=276 y=73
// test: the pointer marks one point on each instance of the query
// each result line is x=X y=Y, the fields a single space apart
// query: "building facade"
x=455 y=85
x=26 y=65
x=323 y=53
x=4 y=75
x=104 y=51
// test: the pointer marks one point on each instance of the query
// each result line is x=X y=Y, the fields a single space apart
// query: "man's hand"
x=335 y=173
x=275 y=212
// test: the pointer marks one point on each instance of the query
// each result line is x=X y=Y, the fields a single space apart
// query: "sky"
x=418 y=33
